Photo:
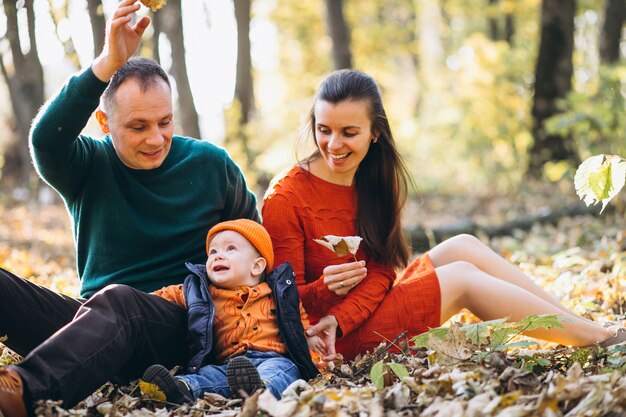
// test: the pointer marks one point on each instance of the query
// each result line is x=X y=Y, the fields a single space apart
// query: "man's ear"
x=103 y=121
x=259 y=266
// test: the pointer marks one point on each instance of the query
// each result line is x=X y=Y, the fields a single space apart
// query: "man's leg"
x=119 y=331
x=30 y=313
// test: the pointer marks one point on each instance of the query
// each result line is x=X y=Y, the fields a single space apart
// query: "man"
x=141 y=201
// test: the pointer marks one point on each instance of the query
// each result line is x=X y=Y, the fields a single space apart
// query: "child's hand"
x=326 y=329
x=317 y=345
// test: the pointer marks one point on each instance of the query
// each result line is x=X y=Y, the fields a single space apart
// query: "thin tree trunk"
x=244 y=87
x=58 y=14
x=553 y=79
x=497 y=33
x=156 y=26
x=98 y=24
x=23 y=75
x=509 y=28
x=339 y=33
x=492 y=22
x=172 y=26
x=614 y=14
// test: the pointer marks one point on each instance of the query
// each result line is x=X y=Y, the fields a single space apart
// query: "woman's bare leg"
x=470 y=249
x=465 y=286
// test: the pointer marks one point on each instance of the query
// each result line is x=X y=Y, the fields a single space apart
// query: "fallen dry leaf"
x=453 y=349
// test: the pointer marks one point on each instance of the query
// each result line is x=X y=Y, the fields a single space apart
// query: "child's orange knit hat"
x=251 y=230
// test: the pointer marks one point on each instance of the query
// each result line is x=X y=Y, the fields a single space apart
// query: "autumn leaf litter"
x=455 y=376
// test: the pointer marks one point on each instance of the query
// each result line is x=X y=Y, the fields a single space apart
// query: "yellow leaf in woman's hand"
x=341 y=245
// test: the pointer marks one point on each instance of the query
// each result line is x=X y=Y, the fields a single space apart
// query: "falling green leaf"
x=599 y=179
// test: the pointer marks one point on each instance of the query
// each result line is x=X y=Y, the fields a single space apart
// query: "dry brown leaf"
x=453 y=349
x=341 y=245
x=275 y=408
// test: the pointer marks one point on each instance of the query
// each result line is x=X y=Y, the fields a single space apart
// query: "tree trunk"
x=553 y=79
x=423 y=239
x=492 y=22
x=156 y=26
x=495 y=32
x=244 y=86
x=509 y=28
x=98 y=24
x=23 y=75
x=59 y=14
x=614 y=14
x=339 y=33
x=172 y=26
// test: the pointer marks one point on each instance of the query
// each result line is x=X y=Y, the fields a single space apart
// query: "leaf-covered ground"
x=582 y=260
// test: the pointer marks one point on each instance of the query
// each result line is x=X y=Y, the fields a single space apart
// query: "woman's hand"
x=326 y=330
x=340 y=279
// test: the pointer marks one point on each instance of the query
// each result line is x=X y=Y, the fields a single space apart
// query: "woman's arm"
x=281 y=219
x=359 y=304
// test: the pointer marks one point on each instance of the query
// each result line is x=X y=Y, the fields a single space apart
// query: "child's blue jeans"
x=276 y=371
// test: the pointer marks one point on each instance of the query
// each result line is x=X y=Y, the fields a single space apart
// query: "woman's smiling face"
x=343 y=135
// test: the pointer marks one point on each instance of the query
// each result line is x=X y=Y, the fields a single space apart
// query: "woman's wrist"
x=338 y=331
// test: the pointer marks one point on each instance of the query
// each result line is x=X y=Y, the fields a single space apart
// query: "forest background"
x=493 y=103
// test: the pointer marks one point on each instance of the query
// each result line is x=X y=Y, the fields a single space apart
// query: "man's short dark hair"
x=146 y=71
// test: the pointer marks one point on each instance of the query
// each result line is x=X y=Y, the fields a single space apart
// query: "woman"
x=355 y=183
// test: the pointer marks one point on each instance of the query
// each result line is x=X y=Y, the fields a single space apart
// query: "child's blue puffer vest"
x=201 y=311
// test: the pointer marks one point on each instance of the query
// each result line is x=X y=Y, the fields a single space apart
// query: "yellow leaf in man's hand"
x=154 y=5
x=341 y=245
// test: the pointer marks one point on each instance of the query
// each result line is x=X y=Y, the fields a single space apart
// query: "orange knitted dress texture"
x=299 y=207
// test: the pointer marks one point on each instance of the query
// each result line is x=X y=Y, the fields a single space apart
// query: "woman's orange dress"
x=299 y=207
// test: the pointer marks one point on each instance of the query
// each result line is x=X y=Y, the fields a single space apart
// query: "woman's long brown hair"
x=382 y=179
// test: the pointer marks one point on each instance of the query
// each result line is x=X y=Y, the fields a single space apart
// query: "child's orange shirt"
x=245 y=319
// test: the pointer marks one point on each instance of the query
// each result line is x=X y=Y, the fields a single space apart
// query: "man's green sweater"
x=134 y=227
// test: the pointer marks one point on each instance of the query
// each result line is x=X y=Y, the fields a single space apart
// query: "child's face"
x=233 y=261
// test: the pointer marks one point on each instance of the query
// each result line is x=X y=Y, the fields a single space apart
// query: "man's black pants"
x=72 y=346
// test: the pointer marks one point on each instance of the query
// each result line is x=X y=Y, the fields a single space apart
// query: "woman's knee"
x=454 y=249
x=464 y=242
x=457 y=273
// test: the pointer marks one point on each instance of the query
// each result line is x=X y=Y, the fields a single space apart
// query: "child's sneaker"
x=243 y=376
x=175 y=390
